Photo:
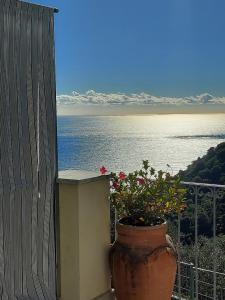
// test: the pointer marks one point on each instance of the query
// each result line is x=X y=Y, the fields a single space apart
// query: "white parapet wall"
x=84 y=236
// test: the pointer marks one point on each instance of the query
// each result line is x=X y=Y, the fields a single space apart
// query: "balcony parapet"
x=84 y=239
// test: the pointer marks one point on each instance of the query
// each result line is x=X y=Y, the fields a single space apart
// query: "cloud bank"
x=140 y=99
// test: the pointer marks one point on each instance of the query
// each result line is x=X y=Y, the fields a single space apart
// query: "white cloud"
x=111 y=99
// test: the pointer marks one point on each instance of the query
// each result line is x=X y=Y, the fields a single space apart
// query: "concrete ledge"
x=79 y=177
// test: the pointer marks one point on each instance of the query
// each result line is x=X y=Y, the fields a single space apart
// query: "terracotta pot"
x=143 y=263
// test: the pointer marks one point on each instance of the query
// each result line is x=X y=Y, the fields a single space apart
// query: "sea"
x=122 y=142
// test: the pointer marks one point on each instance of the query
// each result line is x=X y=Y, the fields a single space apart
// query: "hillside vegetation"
x=208 y=169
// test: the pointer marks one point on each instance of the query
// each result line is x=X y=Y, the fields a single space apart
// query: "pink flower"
x=116 y=185
x=103 y=170
x=122 y=175
x=141 y=181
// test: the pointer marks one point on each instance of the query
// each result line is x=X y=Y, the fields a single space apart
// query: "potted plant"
x=143 y=259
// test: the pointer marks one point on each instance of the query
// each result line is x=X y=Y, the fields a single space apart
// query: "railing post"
x=214 y=245
x=192 y=282
x=196 y=192
x=179 y=257
x=115 y=221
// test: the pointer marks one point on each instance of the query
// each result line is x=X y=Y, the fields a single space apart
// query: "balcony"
x=84 y=245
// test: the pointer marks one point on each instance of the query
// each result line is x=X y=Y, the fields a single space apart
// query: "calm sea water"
x=122 y=142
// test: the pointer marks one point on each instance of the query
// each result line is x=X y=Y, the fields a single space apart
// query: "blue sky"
x=163 y=47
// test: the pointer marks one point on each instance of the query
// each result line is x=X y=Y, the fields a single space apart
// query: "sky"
x=162 y=48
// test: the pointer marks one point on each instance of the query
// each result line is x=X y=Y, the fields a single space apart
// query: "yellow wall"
x=84 y=237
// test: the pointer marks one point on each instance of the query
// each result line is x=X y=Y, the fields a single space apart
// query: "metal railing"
x=187 y=285
x=195 y=280
x=199 y=277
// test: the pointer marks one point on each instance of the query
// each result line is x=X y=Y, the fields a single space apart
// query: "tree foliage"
x=208 y=169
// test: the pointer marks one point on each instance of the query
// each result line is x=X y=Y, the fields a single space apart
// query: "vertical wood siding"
x=27 y=151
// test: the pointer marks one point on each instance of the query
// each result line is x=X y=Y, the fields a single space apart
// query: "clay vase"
x=143 y=263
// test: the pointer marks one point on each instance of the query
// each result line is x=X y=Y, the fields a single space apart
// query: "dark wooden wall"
x=27 y=151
